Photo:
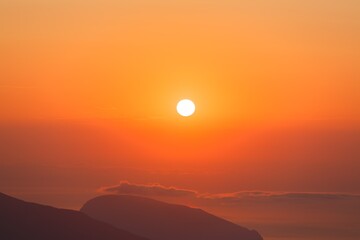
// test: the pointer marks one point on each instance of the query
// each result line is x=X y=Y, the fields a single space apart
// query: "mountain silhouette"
x=21 y=220
x=163 y=221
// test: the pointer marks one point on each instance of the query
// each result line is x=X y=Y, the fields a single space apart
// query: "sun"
x=186 y=107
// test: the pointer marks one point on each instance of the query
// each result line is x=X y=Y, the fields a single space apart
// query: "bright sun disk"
x=185 y=107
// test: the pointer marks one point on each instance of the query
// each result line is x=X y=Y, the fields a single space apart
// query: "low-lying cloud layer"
x=157 y=190
x=149 y=190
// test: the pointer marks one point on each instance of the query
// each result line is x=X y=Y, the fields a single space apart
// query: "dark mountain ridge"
x=20 y=220
x=163 y=221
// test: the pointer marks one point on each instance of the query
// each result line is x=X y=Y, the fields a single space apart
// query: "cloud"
x=288 y=197
x=157 y=190
x=150 y=190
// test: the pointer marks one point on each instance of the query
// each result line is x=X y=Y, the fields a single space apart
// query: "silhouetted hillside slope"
x=21 y=220
x=162 y=221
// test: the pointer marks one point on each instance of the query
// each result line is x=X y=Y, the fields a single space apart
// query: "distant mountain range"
x=163 y=221
x=114 y=217
x=21 y=220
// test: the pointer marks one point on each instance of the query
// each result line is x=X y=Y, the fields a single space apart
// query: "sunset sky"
x=88 y=94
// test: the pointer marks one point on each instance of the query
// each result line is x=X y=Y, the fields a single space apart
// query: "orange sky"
x=88 y=91
x=256 y=61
